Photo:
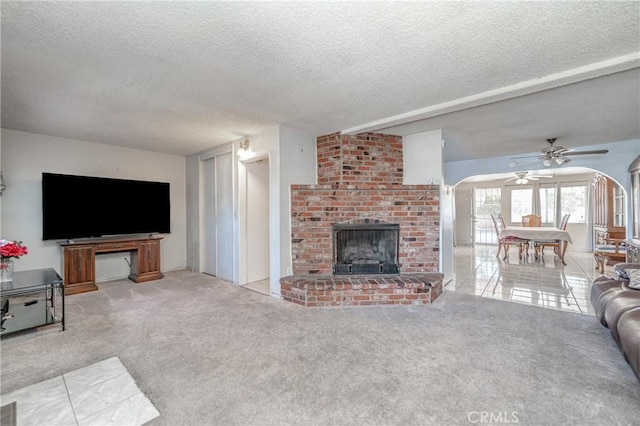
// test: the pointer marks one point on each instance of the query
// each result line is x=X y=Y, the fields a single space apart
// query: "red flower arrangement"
x=11 y=249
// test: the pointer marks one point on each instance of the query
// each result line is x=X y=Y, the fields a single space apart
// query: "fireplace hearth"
x=366 y=249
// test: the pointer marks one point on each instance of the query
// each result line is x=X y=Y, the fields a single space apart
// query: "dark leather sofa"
x=617 y=306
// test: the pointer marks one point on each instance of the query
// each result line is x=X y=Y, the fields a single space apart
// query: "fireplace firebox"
x=366 y=249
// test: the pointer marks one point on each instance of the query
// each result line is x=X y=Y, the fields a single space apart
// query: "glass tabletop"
x=28 y=280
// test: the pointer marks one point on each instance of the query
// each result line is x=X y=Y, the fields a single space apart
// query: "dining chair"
x=540 y=245
x=528 y=221
x=532 y=220
x=612 y=250
x=507 y=241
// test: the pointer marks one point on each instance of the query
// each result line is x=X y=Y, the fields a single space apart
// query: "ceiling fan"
x=552 y=155
x=523 y=177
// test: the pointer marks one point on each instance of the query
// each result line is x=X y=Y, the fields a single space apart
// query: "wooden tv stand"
x=79 y=259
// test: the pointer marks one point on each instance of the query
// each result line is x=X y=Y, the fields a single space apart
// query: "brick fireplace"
x=337 y=258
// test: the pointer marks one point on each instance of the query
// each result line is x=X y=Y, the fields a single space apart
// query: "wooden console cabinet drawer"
x=116 y=246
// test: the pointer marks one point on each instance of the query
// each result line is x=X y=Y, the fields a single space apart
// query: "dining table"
x=540 y=233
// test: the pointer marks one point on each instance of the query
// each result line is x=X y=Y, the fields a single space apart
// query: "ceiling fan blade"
x=598 y=151
x=513 y=178
x=532 y=177
x=527 y=162
x=528 y=156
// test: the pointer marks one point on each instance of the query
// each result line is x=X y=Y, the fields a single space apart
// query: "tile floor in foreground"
x=546 y=283
x=103 y=393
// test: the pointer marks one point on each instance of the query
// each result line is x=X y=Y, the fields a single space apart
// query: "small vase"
x=6 y=270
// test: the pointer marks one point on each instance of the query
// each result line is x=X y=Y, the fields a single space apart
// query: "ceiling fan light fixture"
x=560 y=160
x=546 y=162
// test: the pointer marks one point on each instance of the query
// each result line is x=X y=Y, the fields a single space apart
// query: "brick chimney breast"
x=365 y=159
x=360 y=178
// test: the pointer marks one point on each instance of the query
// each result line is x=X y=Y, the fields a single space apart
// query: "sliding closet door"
x=210 y=237
x=218 y=216
x=224 y=216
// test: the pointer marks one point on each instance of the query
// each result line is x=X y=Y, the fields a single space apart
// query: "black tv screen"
x=83 y=206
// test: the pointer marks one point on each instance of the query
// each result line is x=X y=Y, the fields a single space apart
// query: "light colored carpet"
x=207 y=352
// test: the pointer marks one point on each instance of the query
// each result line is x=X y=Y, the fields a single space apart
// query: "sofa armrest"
x=620 y=269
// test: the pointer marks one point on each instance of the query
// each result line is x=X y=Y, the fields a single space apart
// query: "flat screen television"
x=84 y=206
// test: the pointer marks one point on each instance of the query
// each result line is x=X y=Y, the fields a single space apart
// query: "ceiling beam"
x=551 y=81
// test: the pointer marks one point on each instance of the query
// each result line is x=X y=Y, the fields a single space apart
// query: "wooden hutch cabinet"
x=79 y=260
x=609 y=213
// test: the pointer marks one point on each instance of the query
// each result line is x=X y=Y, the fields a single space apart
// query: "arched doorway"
x=545 y=283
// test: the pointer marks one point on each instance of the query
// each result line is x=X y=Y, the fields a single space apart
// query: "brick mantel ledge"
x=364 y=186
x=359 y=290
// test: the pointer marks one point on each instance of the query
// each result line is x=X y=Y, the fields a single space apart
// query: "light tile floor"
x=546 y=283
x=103 y=393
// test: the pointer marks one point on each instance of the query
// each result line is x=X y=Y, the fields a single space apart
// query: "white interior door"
x=257 y=220
x=218 y=216
x=464 y=201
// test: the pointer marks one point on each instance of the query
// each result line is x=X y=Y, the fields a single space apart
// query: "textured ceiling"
x=601 y=110
x=181 y=77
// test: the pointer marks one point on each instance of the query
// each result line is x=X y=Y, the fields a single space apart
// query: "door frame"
x=242 y=212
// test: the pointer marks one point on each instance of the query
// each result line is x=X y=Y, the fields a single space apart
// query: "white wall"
x=422 y=156
x=193 y=212
x=423 y=164
x=1 y=136
x=26 y=155
x=447 y=217
x=446 y=232
x=299 y=166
